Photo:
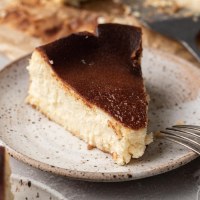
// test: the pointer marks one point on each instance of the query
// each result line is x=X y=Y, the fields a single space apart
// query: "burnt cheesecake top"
x=2 y=171
x=104 y=68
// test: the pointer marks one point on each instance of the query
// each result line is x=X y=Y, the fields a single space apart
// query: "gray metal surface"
x=178 y=27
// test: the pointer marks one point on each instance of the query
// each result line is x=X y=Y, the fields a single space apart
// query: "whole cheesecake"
x=5 y=187
x=92 y=85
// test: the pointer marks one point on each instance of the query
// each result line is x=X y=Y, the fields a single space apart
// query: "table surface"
x=182 y=183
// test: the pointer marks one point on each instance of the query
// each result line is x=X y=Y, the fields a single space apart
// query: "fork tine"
x=184 y=131
x=174 y=134
x=181 y=137
x=183 y=144
x=194 y=127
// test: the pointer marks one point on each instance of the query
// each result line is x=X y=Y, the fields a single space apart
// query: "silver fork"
x=186 y=135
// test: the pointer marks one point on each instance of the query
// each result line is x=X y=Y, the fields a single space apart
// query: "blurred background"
x=25 y=24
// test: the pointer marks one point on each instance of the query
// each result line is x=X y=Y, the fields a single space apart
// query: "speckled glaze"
x=173 y=85
x=24 y=188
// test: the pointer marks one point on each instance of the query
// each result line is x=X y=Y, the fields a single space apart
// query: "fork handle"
x=192 y=47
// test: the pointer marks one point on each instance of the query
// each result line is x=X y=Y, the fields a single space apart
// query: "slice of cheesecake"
x=92 y=85
x=5 y=186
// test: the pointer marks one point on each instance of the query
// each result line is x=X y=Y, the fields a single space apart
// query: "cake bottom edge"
x=120 y=159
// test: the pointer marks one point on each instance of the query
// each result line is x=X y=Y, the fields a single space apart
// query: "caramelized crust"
x=104 y=69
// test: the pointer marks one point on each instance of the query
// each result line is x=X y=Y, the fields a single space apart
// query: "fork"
x=185 y=135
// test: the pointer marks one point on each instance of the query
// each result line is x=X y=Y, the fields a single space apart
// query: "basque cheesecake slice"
x=92 y=85
x=5 y=187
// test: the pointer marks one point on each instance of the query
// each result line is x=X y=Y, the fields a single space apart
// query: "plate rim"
x=42 y=186
x=105 y=176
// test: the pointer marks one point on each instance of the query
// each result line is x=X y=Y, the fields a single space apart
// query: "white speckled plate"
x=173 y=85
x=27 y=189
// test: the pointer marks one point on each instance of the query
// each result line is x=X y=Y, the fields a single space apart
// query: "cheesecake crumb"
x=90 y=147
x=149 y=138
x=157 y=134
x=114 y=155
x=180 y=122
x=51 y=62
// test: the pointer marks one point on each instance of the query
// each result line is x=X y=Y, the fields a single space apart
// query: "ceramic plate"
x=24 y=188
x=173 y=85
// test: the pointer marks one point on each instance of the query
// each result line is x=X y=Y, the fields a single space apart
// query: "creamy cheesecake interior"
x=69 y=104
